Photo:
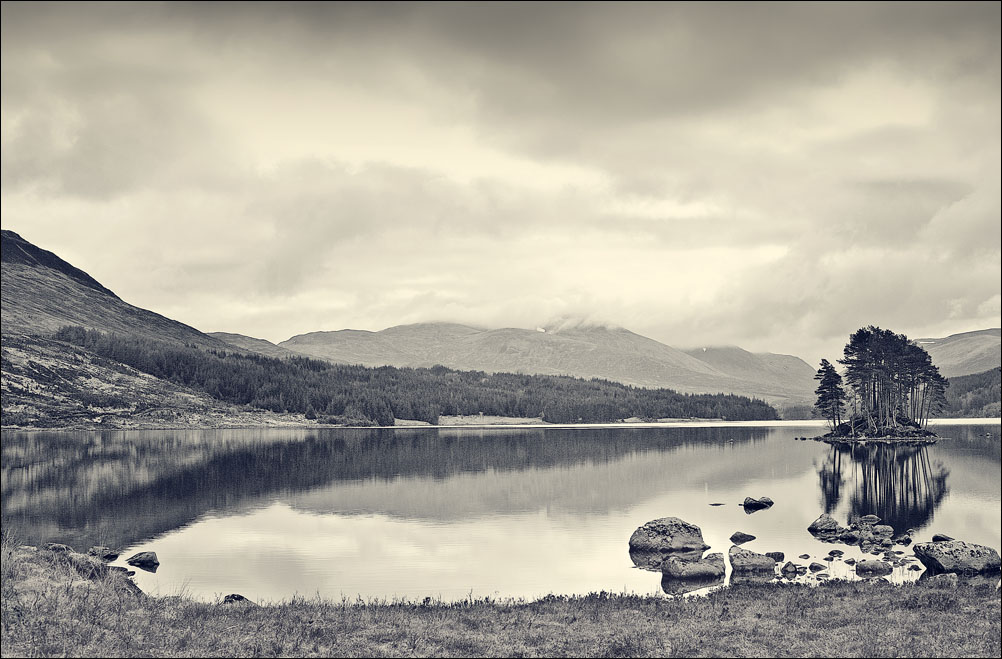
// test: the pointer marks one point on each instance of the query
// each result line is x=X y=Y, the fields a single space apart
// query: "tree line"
x=359 y=395
x=889 y=382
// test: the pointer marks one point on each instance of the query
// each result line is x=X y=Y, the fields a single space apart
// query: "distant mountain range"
x=41 y=293
x=967 y=353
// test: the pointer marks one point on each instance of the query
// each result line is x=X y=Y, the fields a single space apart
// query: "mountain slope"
x=966 y=353
x=41 y=293
x=250 y=344
x=581 y=351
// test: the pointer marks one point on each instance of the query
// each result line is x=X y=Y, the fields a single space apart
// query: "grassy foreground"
x=65 y=604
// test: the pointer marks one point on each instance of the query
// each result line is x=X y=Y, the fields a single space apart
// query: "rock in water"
x=668 y=534
x=740 y=537
x=710 y=567
x=789 y=568
x=744 y=561
x=823 y=525
x=103 y=553
x=144 y=560
x=816 y=567
x=940 y=537
x=751 y=505
x=869 y=519
x=873 y=568
x=777 y=556
x=957 y=556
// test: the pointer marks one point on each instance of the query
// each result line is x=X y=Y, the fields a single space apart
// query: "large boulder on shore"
x=957 y=556
x=744 y=561
x=668 y=534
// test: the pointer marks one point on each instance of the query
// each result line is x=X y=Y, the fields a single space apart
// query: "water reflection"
x=899 y=484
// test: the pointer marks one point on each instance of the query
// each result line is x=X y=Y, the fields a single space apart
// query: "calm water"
x=457 y=512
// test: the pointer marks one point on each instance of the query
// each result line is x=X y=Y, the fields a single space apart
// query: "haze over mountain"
x=41 y=293
x=579 y=350
x=966 y=353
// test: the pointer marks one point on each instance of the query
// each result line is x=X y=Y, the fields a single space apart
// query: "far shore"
x=475 y=422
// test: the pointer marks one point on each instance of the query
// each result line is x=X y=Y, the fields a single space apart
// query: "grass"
x=60 y=604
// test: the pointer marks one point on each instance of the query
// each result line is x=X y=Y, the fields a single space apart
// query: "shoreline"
x=675 y=423
x=65 y=604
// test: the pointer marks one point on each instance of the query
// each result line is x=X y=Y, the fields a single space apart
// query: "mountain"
x=977 y=395
x=967 y=353
x=250 y=344
x=41 y=293
x=579 y=350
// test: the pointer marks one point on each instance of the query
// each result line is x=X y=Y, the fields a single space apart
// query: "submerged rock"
x=710 y=567
x=144 y=560
x=957 y=556
x=668 y=534
x=744 y=561
x=740 y=537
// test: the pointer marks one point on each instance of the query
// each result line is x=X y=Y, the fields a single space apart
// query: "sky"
x=772 y=176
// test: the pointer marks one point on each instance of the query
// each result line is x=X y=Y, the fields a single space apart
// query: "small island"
x=890 y=388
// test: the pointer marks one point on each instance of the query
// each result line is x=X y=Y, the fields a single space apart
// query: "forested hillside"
x=337 y=393
x=978 y=395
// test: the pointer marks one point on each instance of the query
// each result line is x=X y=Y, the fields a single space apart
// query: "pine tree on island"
x=893 y=387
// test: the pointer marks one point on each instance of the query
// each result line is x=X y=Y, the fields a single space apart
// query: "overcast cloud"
x=771 y=176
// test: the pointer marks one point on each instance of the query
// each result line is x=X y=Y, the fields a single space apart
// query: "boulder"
x=739 y=538
x=823 y=525
x=237 y=598
x=804 y=556
x=816 y=567
x=751 y=505
x=869 y=519
x=674 y=586
x=883 y=531
x=902 y=539
x=873 y=568
x=940 y=537
x=789 y=568
x=848 y=536
x=744 y=561
x=103 y=553
x=957 y=556
x=57 y=547
x=668 y=534
x=710 y=567
x=947 y=580
x=144 y=560
x=777 y=556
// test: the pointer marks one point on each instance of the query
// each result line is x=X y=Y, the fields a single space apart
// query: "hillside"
x=41 y=293
x=977 y=395
x=250 y=344
x=584 y=351
x=966 y=353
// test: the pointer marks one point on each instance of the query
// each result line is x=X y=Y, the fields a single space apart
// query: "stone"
x=816 y=567
x=836 y=552
x=751 y=505
x=668 y=534
x=849 y=536
x=902 y=539
x=144 y=560
x=957 y=556
x=869 y=519
x=883 y=531
x=873 y=568
x=946 y=580
x=804 y=556
x=824 y=525
x=674 y=586
x=850 y=561
x=744 y=561
x=717 y=504
x=914 y=568
x=789 y=568
x=739 y=538
x=709 y=567
x=103 y=553
x=236 y=598
x=940 y=537
x=777 y=556
x=57 y=547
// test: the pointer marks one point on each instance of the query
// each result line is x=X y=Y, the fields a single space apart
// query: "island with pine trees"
x=889 y=390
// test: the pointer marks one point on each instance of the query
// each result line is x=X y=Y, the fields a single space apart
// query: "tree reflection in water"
x=899 y=484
